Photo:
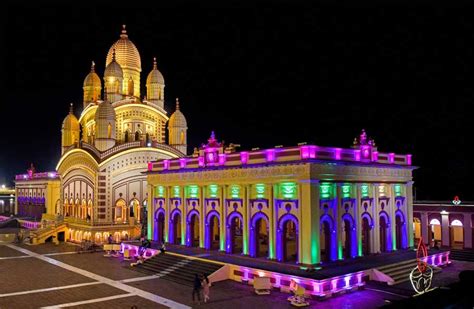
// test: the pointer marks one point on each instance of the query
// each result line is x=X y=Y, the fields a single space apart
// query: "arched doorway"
x=416 y=229
x=135 y=209
x=212 y=231
x=120 y=211
x=400 y=231
x=160 y=225
x=259 y=235
x=456 y=232
x=383 y=233
x=435 y=228
x=287 y=239
x=327 y=239
x=234 y=242
x=349 y=237
x=366 y=228
x=175 y=227
x=137 y=136
x=192 y=233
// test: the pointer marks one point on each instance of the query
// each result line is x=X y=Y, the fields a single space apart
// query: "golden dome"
x=155 y=76
x=127 y=54
x=113 y=69
x=71 y=122
x=177 y=119
x=105 y=111
x=92 y=79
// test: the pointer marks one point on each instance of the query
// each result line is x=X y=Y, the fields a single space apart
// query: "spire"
x=154 y=64
x=93 y=67
x=177 y=104
x=71 y=111
x=124 y=32
x=113 y=55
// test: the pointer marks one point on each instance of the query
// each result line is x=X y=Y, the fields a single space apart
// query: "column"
x=375 y=215
x=308 y=226
x=222 y=225
x=272 y=228
x=202 y=215
x=445 y=241
x=425 y=228
x=167 y=207
x=339 y=227
x=466 y=225
x=409 y=214
x=150 y=213
x=358 y=218
x=245 y=224
x=393 y=220
x=184 y=222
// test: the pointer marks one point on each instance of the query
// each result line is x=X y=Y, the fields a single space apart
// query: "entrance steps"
x=400 y=272
x=177 y=268
x=40 y=236
x=462 y=255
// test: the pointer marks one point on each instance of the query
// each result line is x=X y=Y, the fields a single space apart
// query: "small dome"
x=126 y=53
x=177 y=119
x=92 y=79
x=71 y=122
x=113 y=69
x=155 y=76
x=105 y=111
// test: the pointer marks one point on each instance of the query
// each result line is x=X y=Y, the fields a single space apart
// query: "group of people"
x=201 y=286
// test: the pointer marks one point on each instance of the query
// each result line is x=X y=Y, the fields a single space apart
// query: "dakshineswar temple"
x=307 y=204
x=101 y=187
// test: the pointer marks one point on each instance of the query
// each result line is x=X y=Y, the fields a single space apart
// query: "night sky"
x=258 y=75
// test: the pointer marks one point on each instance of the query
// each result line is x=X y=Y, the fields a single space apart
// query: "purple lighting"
x=357 y=155
x=222 y=158
x=337 y=153
x=166 y=164
x=408 y=159
x=182 y=162
x=391 y=157
x=375 y=156
x=270 y=155
x=244 y=157
x=201 y=161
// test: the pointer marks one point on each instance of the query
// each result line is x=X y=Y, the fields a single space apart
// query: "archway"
x=135 y=209
x=120 y=210
x=287 y=238
x=384 y=233
x=175 y=227
x=212 y=231
x=400 y=231
x=456 y=232
x=192 y=229
x=416 y=229
x=366 y=228
x=259 y=235
x=435 y=228
x=137 y=136
x=234 y=243
x=349 y=237
x=327 y=239
x=159 y=234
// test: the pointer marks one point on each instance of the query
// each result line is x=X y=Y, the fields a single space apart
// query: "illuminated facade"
x=105 y=151
x=308 y=203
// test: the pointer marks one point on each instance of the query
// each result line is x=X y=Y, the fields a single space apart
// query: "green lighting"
x=398 y=190
x=360 y=248
x=364 y=190
x=288 y=190
x=192 y=191
x=213 y=190
x=346 y=191
x=160 y=191
x=235 y=191
x=339 y=252
x=176 y=191
x=260 y=190
x=325 y=190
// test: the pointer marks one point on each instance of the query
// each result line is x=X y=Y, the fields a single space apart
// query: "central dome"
x=126 y=53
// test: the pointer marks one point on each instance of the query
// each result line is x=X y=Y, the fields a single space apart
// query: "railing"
x=51 y=175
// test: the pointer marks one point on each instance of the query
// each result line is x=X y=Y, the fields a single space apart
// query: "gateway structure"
x=305 y=204
x=104 y=152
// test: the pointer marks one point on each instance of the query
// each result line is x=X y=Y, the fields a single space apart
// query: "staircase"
x=462 y=255
x=176 y=268
x=40 y=236
x=400 y=272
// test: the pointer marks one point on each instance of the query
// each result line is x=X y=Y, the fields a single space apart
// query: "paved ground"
x=49 y=275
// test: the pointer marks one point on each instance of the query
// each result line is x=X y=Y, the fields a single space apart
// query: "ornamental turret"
x=92 y=87
x=105 y=126
x=155 y=85
x=113 y=79
x=177 y=129
x=70 y=131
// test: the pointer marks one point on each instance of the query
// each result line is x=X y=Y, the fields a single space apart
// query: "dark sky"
x=260 y=75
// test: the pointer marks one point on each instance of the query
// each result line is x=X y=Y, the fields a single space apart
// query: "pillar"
x=375 y=215
x=425 y=228
x=391 y=213
x=167 y=206
x=272 y=228
x=409 y=214
x=339 y=226
x=246 y=215
x=445 y=241
x=223 y=215
x=183 y=215
x=202 y=217
x=467 y=231
x=150 y=214
x=358 y=218
x=309 y=224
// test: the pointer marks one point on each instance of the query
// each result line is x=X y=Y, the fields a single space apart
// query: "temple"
x=307 y=204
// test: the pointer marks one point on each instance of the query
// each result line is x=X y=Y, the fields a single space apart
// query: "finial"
x=154 y=63
x=113 y=55
x=124 y=32
x=177 y=104
x=213 y=136
x=71 y=109
x=93 y=67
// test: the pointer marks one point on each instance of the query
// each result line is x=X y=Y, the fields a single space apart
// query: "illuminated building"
x=105 y=151
x=306 y=203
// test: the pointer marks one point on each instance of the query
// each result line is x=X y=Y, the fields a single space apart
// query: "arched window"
x=120 y=207
x=137 y=136
x=125 y=139
x=109 y=130
x=116 y=88
x=147 y=138
x=159 y=93
x=130 y=86
x=181 y=138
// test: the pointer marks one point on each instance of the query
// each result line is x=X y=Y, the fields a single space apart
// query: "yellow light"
x=261 y=274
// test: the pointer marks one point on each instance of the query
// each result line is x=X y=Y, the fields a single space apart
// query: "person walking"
x=163 y=248
x=205 y=287
x=197 y=289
